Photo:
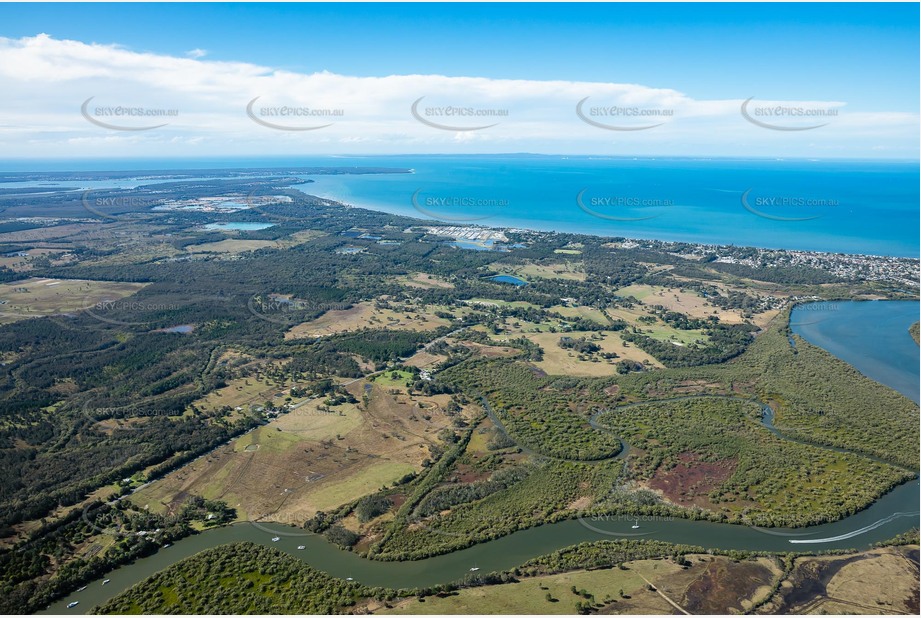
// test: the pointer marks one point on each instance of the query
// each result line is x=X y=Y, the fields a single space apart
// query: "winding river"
x=872 y=336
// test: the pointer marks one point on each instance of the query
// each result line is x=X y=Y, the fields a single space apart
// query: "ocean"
x=868 y=207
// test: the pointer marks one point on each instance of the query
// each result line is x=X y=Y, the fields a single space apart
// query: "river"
x=872 y=336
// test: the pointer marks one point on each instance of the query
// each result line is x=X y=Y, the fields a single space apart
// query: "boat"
x=302 y=547
x=275 y=539
x=105 y=581
x=81 y=589
x=349 y=579
x=165 y=546
x=73 y=604
x=636 y=525
x=474 y=569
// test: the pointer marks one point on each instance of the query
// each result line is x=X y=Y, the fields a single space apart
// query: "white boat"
x=81 y=589
x=474 y=568
x=349 y=579
x=636 y=525
x=165 y=546
x=302 y=547
x=275 y=539
x=105 y=581
x=73 y=604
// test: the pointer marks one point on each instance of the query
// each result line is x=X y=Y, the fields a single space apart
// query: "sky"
x=823 y=80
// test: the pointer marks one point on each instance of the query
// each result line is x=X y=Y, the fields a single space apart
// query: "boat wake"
x=859 y=531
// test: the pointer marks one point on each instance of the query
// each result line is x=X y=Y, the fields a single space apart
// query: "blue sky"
x=861 y=56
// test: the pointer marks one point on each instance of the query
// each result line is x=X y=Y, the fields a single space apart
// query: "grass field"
x=879 y=581
x=589 y=313
x=230 y=245
x=244 y=392
x=393 y=379
x=424 y=360
x=560 y=361
x=499 y=303
x=691 y=304
x=658 y=330
x=424 y=280
x=34 y=298
x=242 y=245
x=730 y=588
x=365 y=315
x=569 y=271
x=309 y=459
x=675 y=299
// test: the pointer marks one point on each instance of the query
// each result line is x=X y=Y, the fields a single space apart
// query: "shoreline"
x=411 y=213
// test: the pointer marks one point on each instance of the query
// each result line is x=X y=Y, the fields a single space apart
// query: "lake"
x=509 y=279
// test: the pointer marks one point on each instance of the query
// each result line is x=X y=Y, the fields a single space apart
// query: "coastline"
x=804 y=257
x=531 y=227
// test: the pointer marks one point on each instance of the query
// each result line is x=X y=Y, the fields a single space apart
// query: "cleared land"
x=230 y=245
x=309 y=459
x=711 y=584
x=242 y=245
x=658 y=329
x=682 y=301
x=35 y=298
x=424 y=280
x=695 y=306
x=569 y=271
x=881 y=581
x=366 y=315
x=560 y=361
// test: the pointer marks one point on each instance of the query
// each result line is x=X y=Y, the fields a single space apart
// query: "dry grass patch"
x=309 y=459
x=35 y=298
x=366 y=315
x=684 y=302
x=570 y=271
x=560 y=361
x=425 y=280
x=879 y=581
x=231 y=245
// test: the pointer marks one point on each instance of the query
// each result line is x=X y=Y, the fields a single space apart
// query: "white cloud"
x=45 y=81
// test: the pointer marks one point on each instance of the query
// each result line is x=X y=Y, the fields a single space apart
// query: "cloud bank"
x=66 y=98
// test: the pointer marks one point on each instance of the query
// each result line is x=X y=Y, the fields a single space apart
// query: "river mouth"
x=894 y=513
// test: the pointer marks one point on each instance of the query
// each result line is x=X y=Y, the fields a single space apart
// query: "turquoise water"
x=868 y=207
x=861 y=207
